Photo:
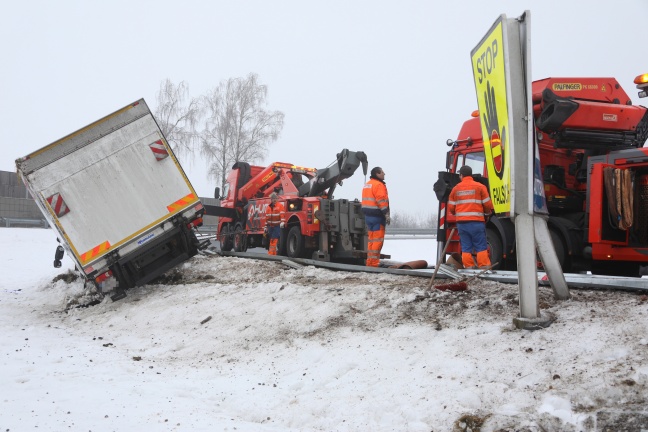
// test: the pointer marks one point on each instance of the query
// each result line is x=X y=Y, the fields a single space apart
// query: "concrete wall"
x=24 y=208
x=11 y=186
x=17 y=208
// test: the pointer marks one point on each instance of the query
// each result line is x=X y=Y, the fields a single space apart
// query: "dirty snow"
x=232 y=344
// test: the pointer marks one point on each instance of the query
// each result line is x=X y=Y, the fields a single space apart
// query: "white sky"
x=308 y=350
x=390 y=78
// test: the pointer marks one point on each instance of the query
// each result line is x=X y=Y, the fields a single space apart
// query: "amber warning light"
x=642 y=85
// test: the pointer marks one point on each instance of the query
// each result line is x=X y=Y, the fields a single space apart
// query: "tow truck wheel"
x=240 y=239
x=561 y=253
x=494 y=247
x=225 y=238
x=295 y=243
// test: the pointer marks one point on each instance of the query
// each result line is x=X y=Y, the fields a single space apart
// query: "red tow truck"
x=594 y=169
x=317 y=226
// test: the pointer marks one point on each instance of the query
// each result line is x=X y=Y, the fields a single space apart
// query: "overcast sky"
x=391 y=78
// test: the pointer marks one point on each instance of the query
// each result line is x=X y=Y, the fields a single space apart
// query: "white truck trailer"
x=123 y=207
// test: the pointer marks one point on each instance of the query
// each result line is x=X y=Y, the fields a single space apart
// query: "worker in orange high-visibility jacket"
x=470 y=203
x=275 y=215
x=375 y=206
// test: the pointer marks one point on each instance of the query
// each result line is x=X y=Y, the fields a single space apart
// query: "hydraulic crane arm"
x=326 y=179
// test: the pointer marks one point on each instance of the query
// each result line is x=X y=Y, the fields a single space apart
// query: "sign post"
x=501 y=69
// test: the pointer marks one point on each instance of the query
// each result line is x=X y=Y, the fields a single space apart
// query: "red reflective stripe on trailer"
x=58 y=205
x=182 y=202
x=92 y=253
x=159 y=150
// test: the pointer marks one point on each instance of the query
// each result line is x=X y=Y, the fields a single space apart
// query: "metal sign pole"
x=501 y=68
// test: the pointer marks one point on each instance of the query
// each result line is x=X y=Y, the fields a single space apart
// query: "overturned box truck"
x=123 y=207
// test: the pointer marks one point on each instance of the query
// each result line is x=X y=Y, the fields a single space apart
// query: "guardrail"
x=389 y=231
x=208 y=229
x=411 y=231
x=22 y=222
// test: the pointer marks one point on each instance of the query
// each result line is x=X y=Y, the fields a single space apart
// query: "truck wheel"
x=225 y=238
x=561 y=251
x=295 y=243
x=494 y=248
x=240 y=239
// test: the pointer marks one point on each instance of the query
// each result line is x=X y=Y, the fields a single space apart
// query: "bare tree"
x=177 y=114
x=432 y=221
x=238 y=127
x=216 y=137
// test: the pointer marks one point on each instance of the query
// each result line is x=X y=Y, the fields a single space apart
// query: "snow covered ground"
x=232 y=344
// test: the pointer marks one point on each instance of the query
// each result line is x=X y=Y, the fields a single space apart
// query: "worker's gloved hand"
x=387 y=219
x=281 y=225
x=265 y=231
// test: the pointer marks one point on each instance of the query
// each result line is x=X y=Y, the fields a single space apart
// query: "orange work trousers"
x=375 y=244
x=272 y=249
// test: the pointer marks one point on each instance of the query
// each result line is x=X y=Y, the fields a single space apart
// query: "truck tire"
x=561 y=252
x=295 y=243
x=494 y=247
x=225 y=238
x=239 y=238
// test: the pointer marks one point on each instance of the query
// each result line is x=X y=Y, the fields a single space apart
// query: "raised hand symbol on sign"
x=497 y=137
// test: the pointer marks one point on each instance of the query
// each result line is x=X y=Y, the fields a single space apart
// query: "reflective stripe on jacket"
x=274 y=215
x=375 y=200
x=469 y=201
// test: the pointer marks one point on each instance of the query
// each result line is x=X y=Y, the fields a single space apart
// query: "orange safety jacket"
x=274 y=215
x=375 y=200
x=469 y=201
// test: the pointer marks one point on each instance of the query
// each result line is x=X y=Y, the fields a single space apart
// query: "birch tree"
x=217 y=135
x=238 y=125
x=178 y=114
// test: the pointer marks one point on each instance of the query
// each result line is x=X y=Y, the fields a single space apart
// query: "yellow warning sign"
x=488 y=62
